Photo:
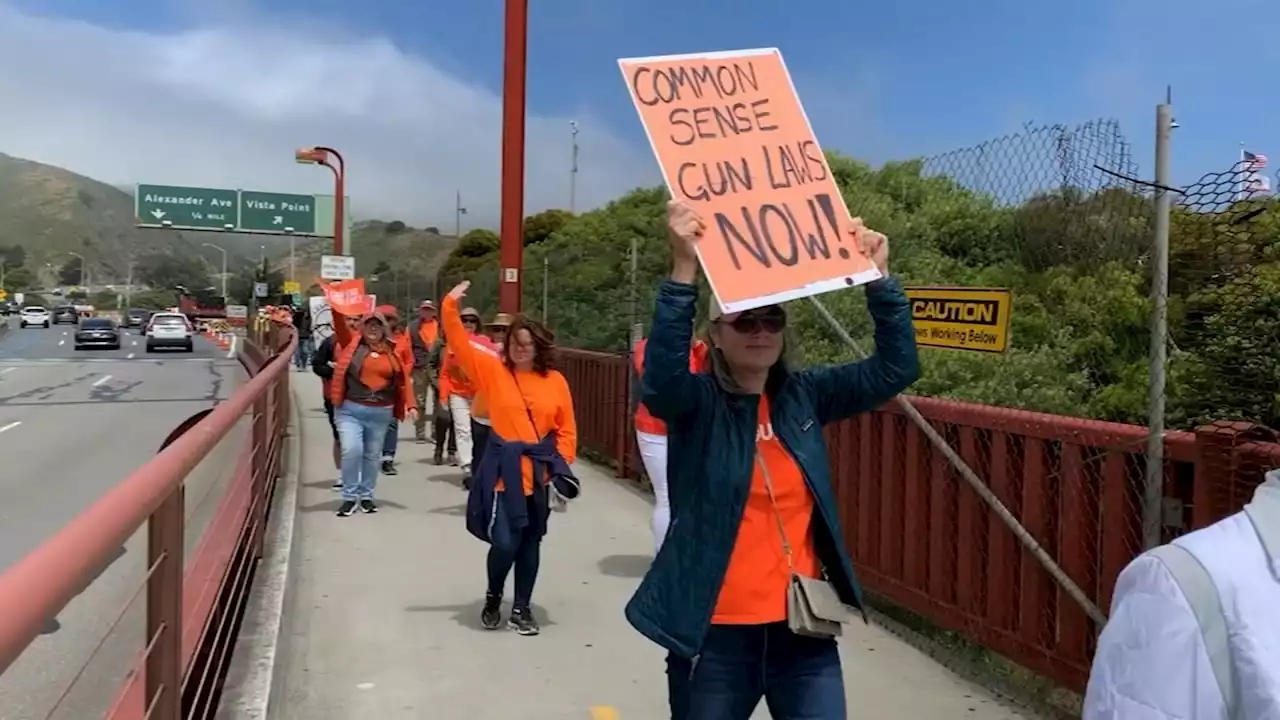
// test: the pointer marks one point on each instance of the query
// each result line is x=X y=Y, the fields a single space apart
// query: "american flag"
x=1256 y=161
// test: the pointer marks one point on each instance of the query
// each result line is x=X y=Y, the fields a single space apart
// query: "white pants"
x=653 y=453
x=460 y=408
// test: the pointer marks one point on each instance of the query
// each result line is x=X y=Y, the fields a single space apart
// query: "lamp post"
x=573 y=167
x=320 y=155
x=511 y=245
x=222 y=250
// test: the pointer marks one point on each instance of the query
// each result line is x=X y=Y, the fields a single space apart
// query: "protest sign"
x=733 y=140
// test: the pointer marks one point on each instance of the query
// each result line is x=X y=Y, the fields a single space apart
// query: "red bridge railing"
x=922 y=538
x=192 y=606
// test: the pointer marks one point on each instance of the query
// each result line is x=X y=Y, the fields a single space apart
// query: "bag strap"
x=1202 y=595
x=777 y=514
x=527 y=410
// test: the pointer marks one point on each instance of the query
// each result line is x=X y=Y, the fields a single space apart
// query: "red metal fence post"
x=163 y=678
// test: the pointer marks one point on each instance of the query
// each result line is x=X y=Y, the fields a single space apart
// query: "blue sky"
x=881 y=81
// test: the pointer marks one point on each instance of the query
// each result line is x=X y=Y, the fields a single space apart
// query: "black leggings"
x=525 y=559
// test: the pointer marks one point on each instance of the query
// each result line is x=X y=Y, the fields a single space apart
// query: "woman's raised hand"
x=685 y=229
x=459 y=290
x=874 y=245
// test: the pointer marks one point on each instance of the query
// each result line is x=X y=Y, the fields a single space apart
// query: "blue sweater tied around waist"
x=501 y=517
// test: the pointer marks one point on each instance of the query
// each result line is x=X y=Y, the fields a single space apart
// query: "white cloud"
x=225 y=107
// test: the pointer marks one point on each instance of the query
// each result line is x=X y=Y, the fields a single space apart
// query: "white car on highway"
x=34 y=315
x=169 y=330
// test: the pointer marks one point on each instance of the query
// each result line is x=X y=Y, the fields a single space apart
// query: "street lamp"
x=320 y=155
x=511 y=244
x=222 y=250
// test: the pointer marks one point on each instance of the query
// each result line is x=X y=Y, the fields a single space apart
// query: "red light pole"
x=511 y=245
x=319 y=155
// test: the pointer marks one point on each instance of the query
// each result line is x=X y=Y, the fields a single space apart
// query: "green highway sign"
x=186 y=208
x=262 y=212
x=247 y=211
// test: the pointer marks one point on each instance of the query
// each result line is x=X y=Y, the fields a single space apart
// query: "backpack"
x=1198 y=588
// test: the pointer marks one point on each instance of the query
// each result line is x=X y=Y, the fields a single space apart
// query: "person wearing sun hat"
x=371 y=386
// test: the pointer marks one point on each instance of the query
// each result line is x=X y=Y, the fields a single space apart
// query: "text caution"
x=959 y=318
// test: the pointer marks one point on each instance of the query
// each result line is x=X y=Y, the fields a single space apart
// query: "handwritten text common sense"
x=738 y=143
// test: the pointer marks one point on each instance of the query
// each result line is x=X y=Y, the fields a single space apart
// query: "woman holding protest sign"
x=370 y=387
x=751 y=586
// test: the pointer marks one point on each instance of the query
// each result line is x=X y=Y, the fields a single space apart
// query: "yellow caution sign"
x=962 y=318
x=292 y=287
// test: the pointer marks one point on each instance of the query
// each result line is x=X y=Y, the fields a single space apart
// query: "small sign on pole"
x=237 y=311
x=960 y=318
x=260 y=290
x=337 y=267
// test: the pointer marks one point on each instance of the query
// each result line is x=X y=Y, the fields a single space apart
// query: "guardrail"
x=923 y=540
x=190 y=611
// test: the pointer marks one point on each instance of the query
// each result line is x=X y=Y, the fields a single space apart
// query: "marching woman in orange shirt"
x=370 y=387
x=651 y=439
x=534 y=439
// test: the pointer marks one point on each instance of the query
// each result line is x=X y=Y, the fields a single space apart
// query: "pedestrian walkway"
x=384 y=620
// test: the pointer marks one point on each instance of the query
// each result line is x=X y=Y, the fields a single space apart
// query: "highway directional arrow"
x=262 y=212
x=187 y=208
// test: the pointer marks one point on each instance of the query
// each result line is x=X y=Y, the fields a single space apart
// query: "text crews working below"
x=752 y=581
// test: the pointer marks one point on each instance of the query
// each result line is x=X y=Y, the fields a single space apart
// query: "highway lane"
x=72 y=425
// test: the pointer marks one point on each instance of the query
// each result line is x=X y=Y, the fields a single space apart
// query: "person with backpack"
x=1194 y=630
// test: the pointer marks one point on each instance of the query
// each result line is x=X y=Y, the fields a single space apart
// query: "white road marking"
x=10 y=426
x=130 y=357
x=101 y=380
x=64 y=333
x=7 y=370
x=231 y=349
x=62 y=342
x=135 y=343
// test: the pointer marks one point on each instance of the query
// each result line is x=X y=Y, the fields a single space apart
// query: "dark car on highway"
x=98 y=332
x=66 y=314
x=138 y=317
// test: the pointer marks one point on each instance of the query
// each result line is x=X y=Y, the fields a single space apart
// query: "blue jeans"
x=361 y=430
x=390 y=439
x=303 y=352
x=799 y=677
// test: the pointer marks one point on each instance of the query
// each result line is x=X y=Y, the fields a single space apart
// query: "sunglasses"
x=470 y=321
x=751 y=323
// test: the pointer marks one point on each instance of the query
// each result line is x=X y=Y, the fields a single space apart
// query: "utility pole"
x=1153 y=491
x=573 y=167
x=220 y=249
x=546 y=275
x=458 y=212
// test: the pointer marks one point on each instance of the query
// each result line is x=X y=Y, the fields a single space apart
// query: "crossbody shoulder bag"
x=814 y=609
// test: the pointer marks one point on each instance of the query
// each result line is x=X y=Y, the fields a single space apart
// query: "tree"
x=543 y=225
x=70 y=273
x=18 y=279
x=13 y=256
x=164 y=271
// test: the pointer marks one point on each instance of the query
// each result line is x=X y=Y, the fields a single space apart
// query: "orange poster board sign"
x=347 y=297
x=734 y=141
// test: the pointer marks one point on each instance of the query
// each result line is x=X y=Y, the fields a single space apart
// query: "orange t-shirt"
x=376 y=371
x=429 y=332
x=755 y=584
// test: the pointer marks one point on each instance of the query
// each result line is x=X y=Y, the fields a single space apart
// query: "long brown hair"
x=544 y=343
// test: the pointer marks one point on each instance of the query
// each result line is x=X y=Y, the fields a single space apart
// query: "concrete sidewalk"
x=383 y=616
